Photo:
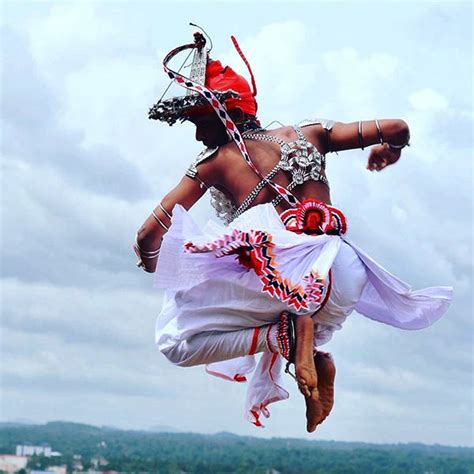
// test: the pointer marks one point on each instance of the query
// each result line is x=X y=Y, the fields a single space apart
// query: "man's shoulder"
x=325 y=123
x=203 y=156
x=206 y=153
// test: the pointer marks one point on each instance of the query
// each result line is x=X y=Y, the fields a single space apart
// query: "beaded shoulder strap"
x=300 y=133
x=267 y=138
x=285 y=146
x=255 y=192
x=225 y=119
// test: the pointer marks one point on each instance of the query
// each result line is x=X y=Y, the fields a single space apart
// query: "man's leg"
x=217 y=346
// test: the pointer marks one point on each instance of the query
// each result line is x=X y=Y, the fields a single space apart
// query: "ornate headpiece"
x=228 y=87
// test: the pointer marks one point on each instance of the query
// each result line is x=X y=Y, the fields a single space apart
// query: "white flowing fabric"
x=208 y=292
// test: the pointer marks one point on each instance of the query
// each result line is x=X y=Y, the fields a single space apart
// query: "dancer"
x=281 y=276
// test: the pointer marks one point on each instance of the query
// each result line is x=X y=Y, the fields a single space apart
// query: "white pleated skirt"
x=222 y=279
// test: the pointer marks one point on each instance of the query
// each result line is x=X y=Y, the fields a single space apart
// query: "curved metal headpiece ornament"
x=178 y=108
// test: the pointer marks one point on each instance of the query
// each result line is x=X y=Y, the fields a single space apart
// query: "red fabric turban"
x=219 y=78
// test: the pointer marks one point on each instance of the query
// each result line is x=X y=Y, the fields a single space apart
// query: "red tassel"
x=237 y=47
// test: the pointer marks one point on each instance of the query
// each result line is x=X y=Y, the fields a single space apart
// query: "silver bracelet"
x=403 y=145
x=141 y=265
x=382 y=141
x=146 y=253
x=165 y=212
x=361 y=138
x=157 y=219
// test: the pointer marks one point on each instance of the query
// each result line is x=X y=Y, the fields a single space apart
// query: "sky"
x=82 y=167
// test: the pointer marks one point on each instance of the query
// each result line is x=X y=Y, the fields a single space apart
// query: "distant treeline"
x=146 y=452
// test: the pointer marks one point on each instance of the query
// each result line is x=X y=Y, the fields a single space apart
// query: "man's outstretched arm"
x=388 y=135
x=149 y=236
x=347 y=136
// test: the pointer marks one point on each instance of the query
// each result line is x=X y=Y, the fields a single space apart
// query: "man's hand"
x=381 y=156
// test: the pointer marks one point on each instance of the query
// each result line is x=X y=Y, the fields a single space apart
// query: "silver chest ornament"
x=297 y=157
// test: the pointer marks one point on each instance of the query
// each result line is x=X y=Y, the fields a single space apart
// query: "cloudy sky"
x=82 y=166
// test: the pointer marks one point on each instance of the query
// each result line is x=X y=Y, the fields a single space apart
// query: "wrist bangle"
x=146 y=253
x=403 y=145
x=361 y=139
x=397 y=147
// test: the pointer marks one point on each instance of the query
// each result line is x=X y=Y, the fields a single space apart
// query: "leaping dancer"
x=281 y=276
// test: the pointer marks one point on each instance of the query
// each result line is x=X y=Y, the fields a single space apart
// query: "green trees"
x=173 y=453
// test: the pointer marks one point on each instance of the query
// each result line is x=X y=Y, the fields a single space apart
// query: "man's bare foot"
x=305 y=369
x=306 y=374
x=318 y=409
x=326 y=374
x=314 y=412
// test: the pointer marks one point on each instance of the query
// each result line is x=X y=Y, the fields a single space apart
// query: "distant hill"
x=145 y=451
x=163 y=429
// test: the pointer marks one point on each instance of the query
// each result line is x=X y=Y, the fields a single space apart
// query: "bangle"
x=403 y=145
x=165 y=212
x=157 y=219
x=361 y=139
x=382 y=141
x=140 y=264
x=146 y=253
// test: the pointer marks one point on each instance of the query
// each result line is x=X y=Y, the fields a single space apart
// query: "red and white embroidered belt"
x=314 y=217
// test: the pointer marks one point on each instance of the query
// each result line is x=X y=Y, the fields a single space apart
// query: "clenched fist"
x=381 y=156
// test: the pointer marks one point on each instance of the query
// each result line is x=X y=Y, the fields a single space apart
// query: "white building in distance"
x=28 y=449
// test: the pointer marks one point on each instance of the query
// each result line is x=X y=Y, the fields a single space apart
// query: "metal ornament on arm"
x=223 y=116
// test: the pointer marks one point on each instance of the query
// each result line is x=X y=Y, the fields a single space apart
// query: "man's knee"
x=178 y=355
x=349 y=279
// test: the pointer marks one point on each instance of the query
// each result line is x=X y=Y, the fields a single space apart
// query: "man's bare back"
x=228 y=172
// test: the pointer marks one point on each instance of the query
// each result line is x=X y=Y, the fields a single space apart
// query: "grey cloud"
x=82 y=383
x=79 y=239
x=34 y=133
x=27 y=102
x=53 y=185
x=53 y=365
x=124 y=321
